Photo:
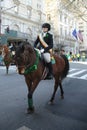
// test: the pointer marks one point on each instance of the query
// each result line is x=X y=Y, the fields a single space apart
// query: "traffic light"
x=8 y=29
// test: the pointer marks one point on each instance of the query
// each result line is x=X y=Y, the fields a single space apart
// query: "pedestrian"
x=78 y=56
x=44 y=43
x=1 y=58
x=12 y=49
x=62 y=52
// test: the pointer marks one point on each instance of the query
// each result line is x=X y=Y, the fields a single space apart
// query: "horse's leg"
x=30 y=97
x=61 y=89
x=7 y=69
x=30 y=101
x=30 y=108
x=55 y=89
x=31 y=88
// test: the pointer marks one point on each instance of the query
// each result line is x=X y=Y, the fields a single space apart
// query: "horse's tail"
x=66 y=69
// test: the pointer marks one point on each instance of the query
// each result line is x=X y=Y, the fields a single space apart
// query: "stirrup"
x=49 y=76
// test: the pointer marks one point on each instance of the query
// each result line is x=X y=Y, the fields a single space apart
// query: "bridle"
x=30 y=67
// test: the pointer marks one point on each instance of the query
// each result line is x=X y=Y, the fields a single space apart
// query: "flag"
x=74 y=33
x=80 y=35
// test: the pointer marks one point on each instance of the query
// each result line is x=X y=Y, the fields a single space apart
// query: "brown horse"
x=7 y=57
x=31 y=66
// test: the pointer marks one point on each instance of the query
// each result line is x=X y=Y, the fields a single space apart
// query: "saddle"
x=46 y=73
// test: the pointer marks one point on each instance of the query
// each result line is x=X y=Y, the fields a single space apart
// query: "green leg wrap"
x=30 y=102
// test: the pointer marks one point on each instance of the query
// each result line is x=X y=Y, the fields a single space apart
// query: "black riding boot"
x=50 y=74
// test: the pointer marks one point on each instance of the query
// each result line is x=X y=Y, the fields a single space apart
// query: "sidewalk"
x=81 y=62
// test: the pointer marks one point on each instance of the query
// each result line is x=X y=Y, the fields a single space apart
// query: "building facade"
x=64 y=15
x=80 y=12
x=20 y=20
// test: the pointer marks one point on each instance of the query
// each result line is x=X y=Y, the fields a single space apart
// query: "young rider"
x=45 y=41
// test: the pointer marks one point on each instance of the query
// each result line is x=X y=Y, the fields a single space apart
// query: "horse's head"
x=5 y=49
x=24 y=57
x=1 y=48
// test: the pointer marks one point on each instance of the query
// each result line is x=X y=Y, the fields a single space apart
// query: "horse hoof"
x=50 y=103
x=62 y=97
x=30 y=110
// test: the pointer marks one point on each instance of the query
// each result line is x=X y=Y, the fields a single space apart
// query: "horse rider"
x=12 y=49
x=44 y=43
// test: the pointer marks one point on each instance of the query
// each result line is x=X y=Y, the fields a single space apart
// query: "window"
x=61 y=29
x=65 y=19
x=48 y=17
x=39 y=0
x=16 y=9
x=29 y=13
x=65 y=31
x=16 y=3
x=39 y=6
x=61 y=17
x=29 y=2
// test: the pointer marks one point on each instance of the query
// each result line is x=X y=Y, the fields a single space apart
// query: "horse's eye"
x=19 y=59
x=25 y=55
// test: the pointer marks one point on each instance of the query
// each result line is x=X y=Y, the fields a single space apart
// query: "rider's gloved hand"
x=37 y=50
x=42 y=50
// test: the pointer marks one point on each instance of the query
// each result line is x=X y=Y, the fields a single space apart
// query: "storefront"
x=12 y=36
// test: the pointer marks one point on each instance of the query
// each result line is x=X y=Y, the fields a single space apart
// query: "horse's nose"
x=20 y=70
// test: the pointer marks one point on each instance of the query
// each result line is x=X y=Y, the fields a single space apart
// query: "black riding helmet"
x=46 y=25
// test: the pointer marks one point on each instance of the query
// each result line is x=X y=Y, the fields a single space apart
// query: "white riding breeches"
x=47 y=57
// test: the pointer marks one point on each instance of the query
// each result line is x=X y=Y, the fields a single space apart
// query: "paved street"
x=67 y=114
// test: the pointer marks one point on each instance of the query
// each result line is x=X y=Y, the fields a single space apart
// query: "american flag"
x=80 y=35
x=74 y=33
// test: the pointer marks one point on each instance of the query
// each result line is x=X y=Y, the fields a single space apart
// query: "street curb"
x=79 y=62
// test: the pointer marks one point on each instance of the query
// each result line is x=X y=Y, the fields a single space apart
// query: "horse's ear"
x=22 y=47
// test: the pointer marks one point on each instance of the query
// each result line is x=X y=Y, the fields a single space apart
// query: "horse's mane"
x=26 y=44
x=28 y=50
x=32 y=54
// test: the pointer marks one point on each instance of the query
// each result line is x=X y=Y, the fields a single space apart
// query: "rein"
x=34 y=66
